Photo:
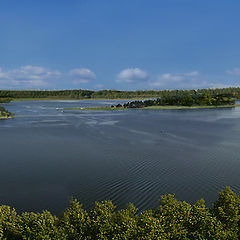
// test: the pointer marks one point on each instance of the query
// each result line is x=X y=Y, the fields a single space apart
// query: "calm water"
x=48 y=155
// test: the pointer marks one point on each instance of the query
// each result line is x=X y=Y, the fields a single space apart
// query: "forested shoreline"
x=112 y=94
x=172 y=219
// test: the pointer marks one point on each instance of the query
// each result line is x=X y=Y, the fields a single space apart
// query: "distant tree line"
x=113 y=94
x=183 y=99
x=172 y=219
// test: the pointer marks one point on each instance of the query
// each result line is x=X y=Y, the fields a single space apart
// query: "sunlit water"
x=48 y=155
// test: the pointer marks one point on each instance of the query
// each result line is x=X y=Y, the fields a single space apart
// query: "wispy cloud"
x=177 y=80
x=82 y=75
x=234 y=72
x=27 y=76
x=130 y=75
x=99 y=85
x=192 y=74
x=222 y=85
x=37 y=77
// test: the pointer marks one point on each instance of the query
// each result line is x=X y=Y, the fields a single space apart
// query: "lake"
x=49 y=155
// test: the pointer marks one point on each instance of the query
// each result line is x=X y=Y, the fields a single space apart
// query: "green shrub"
x=226 y=209
x=102 y=220
x=126 y=223
x=40 y=226
x=75 y=221
x=9 y=223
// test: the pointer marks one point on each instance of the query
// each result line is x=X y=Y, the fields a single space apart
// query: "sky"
x=119 y=44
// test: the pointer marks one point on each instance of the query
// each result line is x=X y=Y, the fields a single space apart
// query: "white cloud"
x=99 y=85
x=235 y=72
x=170 y=77
x=82 y=75
x=222 y=85
x=178 y=80
x=192 y=74
x=130 y=75
x=27 y=76
x=80 y=81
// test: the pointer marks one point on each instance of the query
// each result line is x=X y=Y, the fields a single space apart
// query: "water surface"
x=49 y=155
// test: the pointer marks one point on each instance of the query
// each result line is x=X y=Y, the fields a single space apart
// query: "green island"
x=186 y=100
x=172 y=219
x=4 y=114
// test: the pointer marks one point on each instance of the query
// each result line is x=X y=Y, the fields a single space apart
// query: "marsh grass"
x=155 y=107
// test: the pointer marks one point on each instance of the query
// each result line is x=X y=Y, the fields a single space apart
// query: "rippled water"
x=49 y=155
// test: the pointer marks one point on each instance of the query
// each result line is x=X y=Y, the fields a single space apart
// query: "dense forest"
x=113 y=94
x=172 y=219
x=186 y=99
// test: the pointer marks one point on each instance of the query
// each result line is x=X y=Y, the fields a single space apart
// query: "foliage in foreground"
x=172 y=219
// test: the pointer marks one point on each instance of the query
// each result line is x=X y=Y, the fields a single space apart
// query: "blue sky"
x=119 y=44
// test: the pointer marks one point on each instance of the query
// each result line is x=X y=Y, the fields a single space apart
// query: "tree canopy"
x=172 y=219
x=113 y=94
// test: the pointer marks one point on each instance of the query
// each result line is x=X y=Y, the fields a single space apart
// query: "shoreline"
x=192 y=107
x=155 y=107
x=74 y=99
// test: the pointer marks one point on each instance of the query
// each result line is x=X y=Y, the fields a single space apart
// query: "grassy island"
x=172 y=219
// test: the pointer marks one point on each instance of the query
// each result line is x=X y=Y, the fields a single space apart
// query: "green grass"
x=192 y=107
x=155 y=107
